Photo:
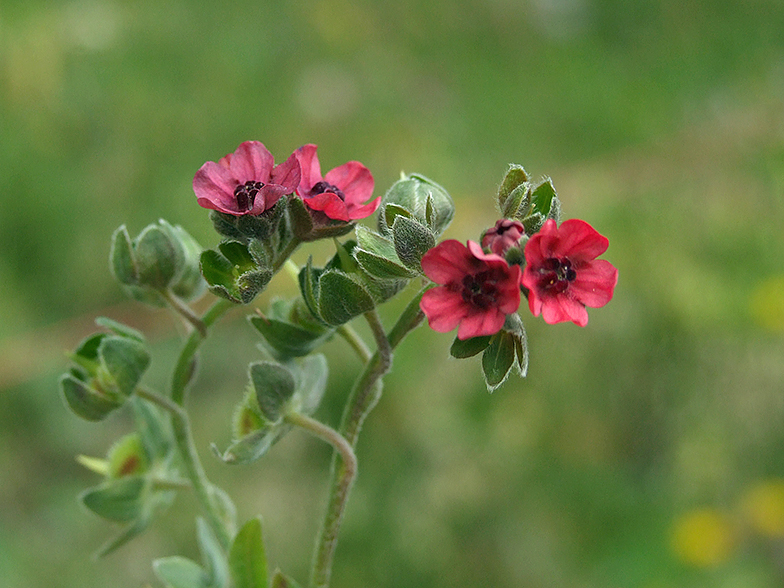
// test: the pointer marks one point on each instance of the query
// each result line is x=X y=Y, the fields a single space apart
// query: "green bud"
x=516 y=177
x=412 y=240
x=190 y=284
x=422 y=199
x=127 y=457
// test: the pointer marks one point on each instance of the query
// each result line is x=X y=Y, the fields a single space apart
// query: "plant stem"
x=356 y=343
x=364 y=396
x=183 y=372
x=190 y=457
x=329 y=435
x=184 y=310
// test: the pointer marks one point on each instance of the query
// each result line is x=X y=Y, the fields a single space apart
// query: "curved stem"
x=355 y=342
x=365 y=394
x=328 y=435
x=184 y=311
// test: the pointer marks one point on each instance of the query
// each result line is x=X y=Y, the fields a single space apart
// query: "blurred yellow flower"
x=766 y=303
x=702 y=537
x=763 y=507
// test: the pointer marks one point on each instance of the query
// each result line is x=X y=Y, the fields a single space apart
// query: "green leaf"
x=158 y=255
x=252 y=447
x=301 y=221
x=85 y=401
x=532 y=223
x=119 y=329
x=514 y=325
x=119 y=500
x=154 y=428
x=497 y=359
x=515 y=177
x=517 y=204
x=280 y=580
x=286 y=339
x=309 y=286
x=462 y=349
x=215 y=563
x=252 y=283
x=122 y=262
x=542 y=197
x=341 y=298
x=382 y=268
x=274 y=385
x=180 y=572
x=412 y=241
x=247 y=559
x=125 y=360
x=312 y=382
x=217 y=269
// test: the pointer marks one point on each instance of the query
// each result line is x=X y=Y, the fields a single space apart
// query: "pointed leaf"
x=215 y=563
x=247 y=559
x=312 y=382
x=542 y=197
x=462 y=349
x=119 y=329
x=180 y=572
x=497 y=359
x=274 y=385
x=286 y=339
x=85 y=401
x=119 y=500
x=253 y=446
x=217 y=269
x=125 y=360
x=412 y=241
x=341 y=298
x=514 y=178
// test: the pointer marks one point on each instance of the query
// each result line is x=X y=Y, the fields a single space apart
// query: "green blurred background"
x=642 y=451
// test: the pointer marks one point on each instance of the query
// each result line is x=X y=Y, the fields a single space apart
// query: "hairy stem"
x=365 y=394
x=355 y=342
x=184 y=311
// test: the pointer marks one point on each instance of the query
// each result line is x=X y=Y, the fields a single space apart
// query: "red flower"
x=477 y=289
x=563 y=275
x=505 y=234
x=246 y=181
x=341 y=193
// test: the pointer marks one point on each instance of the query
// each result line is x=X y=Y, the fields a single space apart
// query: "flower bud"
x=419 y=197
x=503 y=236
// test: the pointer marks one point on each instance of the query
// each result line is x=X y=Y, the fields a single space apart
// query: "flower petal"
x=354 y=179
x=330 y=204
x=310 y=168
x=444 y=309
x=214 y=186
x=595 y=283
x=251 y=161
x=477 y=324
x=449 y=261
x=287 y=174
x=358 y=212
x=580 y=241
x=559 y=309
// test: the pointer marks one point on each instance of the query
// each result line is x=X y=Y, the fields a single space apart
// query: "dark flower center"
x=480 y=290
x=246 y=194
x=556 y=274
x=323 y=186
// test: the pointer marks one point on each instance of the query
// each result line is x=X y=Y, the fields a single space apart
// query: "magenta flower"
x=562 y=274
x=505 y=234
x=246 y=181
x=341 y=193
x=477 y=290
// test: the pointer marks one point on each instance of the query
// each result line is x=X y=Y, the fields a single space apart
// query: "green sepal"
x=515 y=178
x=119 y=329
x=311 y=384
x=252 y=447
x=180 y=572
x=189 y=284
x=533 y=222
x=280 y=580
x=84 y=400
x=416 y=196
x=514 y=326
x=376 y=255
x=120 y=500
x=274 y=385
x=341 y=297
x=518 y=204
x=412 y=240
x=247 y=558
x=542 y=197
x=127 y=457
x=464 y=348
x=309 y=286
x=121 y=258
x=159 y=257
x=555 y=210
x=154 y=428
x=497 y=359
x=125 y=360
x=308 y=225
x=233 y=272
x=244 y=227
x=285 y=339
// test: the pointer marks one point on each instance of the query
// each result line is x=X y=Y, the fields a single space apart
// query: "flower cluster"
x=247 y=182
x=480 y=286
